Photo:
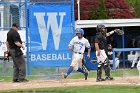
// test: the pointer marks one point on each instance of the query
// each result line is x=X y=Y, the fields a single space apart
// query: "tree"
x=100 y=13
x=120 y=9
x=104 y=9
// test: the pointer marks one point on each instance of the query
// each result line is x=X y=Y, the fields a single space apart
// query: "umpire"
x=14 y=44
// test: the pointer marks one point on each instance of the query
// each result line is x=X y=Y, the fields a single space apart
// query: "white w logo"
x=53 y=24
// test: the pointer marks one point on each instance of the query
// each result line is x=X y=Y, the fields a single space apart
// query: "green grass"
x=114 y=73
x=92 y=74
x=81 y=89
x=43 y=71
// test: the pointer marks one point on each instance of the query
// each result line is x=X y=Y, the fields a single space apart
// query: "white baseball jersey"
x=137 y=55
x=79 y=45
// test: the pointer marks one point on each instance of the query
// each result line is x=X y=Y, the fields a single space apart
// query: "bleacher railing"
x=122 y=50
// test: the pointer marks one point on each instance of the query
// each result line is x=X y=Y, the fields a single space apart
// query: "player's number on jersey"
x=77 y=47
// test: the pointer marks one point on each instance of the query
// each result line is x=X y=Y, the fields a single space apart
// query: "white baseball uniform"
x=137 y=55
x=79 y=46
x=102 y=56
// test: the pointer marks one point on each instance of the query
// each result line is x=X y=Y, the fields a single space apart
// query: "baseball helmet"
x=79 y=31
x=100 y=28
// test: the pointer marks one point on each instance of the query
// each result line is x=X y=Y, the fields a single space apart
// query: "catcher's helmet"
x=79 y=31
x=100 y=28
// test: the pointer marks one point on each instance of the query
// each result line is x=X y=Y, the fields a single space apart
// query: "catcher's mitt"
x=119 y=32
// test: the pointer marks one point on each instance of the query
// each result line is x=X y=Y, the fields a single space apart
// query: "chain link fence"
x=11 y=11
x=14 y=12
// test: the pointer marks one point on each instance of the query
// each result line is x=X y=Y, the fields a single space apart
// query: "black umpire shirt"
x=12 y=37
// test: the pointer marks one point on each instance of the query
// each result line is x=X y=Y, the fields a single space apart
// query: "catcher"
x=101 y=51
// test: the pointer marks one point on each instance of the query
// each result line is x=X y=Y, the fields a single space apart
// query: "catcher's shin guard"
x=99 y=72
x=107 y=68
x=107 y=72
x=99 y=75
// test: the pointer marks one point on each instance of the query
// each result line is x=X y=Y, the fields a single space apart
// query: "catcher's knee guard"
x=100 y=64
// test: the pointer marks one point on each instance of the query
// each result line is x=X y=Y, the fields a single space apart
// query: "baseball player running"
x=77 y=45
x=101 y=51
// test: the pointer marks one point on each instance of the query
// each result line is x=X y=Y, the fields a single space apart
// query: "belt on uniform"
x=78 y=52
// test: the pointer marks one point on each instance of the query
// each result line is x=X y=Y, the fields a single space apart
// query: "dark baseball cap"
x=15 y=25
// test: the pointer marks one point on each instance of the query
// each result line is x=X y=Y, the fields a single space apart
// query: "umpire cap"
x=15 y=25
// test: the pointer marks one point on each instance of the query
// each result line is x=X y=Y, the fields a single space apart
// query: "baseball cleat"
x=16 y=80
x=23 y=80
x=109 y=78
x=100 y=79
x=64 y=76
x=86 y=75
